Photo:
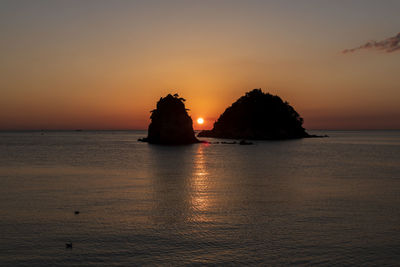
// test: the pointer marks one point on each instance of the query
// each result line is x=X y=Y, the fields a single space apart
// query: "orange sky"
x=104 y=65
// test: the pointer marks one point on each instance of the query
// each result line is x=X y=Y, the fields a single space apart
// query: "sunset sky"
x=105 y=64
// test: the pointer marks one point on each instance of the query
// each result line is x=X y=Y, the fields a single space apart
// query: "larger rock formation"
x=170 y=123
x=258 y=115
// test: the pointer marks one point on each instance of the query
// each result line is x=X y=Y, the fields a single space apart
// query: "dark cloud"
x=389 y=45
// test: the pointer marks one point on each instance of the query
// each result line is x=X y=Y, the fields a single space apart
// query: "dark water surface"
x=323 y=201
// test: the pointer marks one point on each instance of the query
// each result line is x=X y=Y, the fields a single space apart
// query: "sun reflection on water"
x=200 y=185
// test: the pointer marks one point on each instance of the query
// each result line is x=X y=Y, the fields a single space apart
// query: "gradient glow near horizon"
x=105 y=64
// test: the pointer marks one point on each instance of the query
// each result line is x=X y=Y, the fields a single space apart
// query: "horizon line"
x=109 y=130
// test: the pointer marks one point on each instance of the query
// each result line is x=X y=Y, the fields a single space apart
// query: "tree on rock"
x=170 y=123
x=258 y=115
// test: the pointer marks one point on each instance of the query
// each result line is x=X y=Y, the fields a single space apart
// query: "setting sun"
x=200 y=120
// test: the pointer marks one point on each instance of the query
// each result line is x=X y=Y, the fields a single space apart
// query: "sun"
x=200 y=120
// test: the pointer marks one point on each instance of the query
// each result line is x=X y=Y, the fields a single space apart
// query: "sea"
x=331 y=201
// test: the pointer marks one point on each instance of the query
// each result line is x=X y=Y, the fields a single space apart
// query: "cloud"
x=389 y=45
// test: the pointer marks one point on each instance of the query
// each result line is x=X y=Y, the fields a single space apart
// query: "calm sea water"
x=323 y=201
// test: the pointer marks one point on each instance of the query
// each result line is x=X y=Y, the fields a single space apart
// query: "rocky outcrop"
x=170 y=123
x=258 y=116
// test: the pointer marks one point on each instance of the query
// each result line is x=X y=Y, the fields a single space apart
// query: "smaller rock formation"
x=170 y=123
x=244 y=143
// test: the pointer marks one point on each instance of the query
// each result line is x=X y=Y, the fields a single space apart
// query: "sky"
x=105 y=64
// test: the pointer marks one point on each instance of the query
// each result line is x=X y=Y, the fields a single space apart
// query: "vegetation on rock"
x=258 y=116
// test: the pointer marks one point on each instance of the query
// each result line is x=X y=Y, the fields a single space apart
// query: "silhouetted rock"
x=244 y=142
x=258 y=115
x=170 y=123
